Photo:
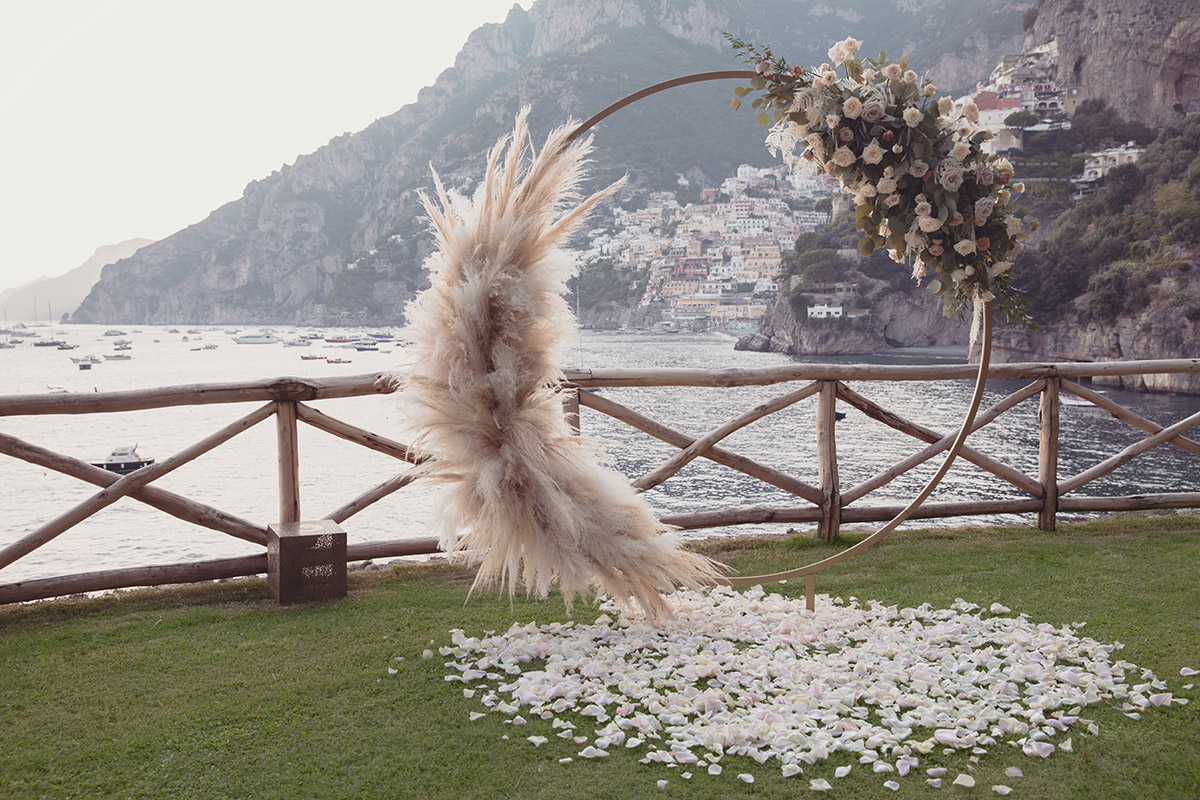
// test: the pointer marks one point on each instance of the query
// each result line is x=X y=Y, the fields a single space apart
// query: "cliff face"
x=1141 y=56
x=339 y=235
x=1158 y=331
x=909 y=319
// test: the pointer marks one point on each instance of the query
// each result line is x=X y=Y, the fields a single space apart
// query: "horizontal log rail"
x=827 y=505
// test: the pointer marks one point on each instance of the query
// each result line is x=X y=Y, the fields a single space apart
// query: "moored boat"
x=123 y=460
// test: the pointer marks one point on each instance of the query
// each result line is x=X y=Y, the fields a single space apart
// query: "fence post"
x=289 y=460
x=1048 y=422
x=827 y=469
x=570 y=401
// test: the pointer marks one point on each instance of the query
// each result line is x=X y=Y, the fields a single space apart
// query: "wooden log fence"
x=827 y=505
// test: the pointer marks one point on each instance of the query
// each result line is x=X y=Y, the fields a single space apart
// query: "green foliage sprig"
x=923 y=187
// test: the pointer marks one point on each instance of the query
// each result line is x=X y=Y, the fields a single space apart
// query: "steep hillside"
x=64 y=293
x=339 y=234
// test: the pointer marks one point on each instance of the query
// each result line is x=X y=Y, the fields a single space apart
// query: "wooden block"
x=306 y=561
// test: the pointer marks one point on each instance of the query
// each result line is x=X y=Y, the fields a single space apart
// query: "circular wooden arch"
x=985 y=336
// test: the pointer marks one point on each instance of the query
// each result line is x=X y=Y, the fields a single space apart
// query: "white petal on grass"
x=714 y=769
x=1000 y=788
x=891 y=785
x=745 y=777
x=789 y=770
x=936 y=783
x=842 y=771
x=566 y=760
x=538 y=741
x=964 y=780
x=661 y=784
x=814 y=679
x=1066 y=745
x=1188 y=672
x=1014 y=772
x=820 y=785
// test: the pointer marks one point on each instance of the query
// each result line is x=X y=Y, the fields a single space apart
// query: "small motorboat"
x=337 y=361
x=265 y=337
x=118 y=357
x=123 y=460
x=312 y=358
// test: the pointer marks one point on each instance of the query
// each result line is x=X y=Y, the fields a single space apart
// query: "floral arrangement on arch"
x=922 y=185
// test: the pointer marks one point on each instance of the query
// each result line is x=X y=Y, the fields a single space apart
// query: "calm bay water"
x=239 y=476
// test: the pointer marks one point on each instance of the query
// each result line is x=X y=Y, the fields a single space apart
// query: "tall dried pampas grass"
x=532 y=501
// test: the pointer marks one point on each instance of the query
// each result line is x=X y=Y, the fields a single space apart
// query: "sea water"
x=240 y=476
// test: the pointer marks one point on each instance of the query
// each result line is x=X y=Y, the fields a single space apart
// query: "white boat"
x=123 y=460
x=86 y=360
x=118 y=357
x=257 y=338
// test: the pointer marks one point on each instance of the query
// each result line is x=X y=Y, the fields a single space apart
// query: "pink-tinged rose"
x=930 y=90
x=983 y=243
x=873 y=153
x=832 y=120
x=945 y=106
x=964 y=247
x=843 y=157
x=965 y=131
x=892 y=72
x=984 y=175
x=866 y=190
x=913 y=117
x=897 y=149
x=891 y=200
x=984 y=207
x=956 y=220
x=888 y=136
x=971 y=112
x=935 y=250
x=929 y=224
x=918 y=169
x=952 y=179
x=852 y=108
x=960 y=151
x=910 y=77
x=845 y=134
x=923 y=209
x=873 y=111
x=1004 y=177
x=886 y=185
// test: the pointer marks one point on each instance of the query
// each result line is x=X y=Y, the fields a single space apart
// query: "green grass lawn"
x=215 y=692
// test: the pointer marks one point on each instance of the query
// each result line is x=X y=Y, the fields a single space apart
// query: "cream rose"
x=852 y=108
x=971 y=112
x=886 y=185
x=873 y=153
x=843 y=157
x=831 y=120
x=891 y=200
x=913 y=117
x=984 y=207
x=930 y=90
x=892 y=72
x=918 y=169
x=952 y=178
x=964 y=247
x=929 y=224
x=873 y=111
x=945 y=106
x=999 y=268
x=960 y=151
x=923 y=209
x=910 y=77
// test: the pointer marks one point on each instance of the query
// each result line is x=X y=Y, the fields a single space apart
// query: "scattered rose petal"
x=1000 y=788
x=566 y=760
x=714 y=769
x=745 y=777
x=1066 y=746
x=820 y=785
x=891 y=785
x=936 y=772
x=792 y=769
x=934 y=782
x=1014 y=772
x=842 y=772
x=964 y=780
x=1188 y=672
x=661 y=784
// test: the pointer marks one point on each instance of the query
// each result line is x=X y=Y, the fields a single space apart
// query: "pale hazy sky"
x=127 y=118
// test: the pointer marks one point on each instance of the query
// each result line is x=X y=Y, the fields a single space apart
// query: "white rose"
x=929 y=224
x=945 y=106
x=918 y=169
x=1012 y=226
x=910 y=77
x=999 y=268
x=873 y=111
x=964 y=247
x=852 y=108
x=913 y=117
x=891 y=200
x=930 y=90
x=869 y=75
x=843 y=157
x=886 y=185
x=971 y=112
x=951 y=178
x=892 y=71
x=1018 y=187
x=915 y=240
x=838 y=53
x=960 y=151
x=873 y=153
x=1004 y=195
x=866 y=190
x=832 y=120
x=1004 y=165
x=923 y=209
x=958 y=275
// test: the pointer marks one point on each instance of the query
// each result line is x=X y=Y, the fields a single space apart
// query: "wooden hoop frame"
x=810 y=570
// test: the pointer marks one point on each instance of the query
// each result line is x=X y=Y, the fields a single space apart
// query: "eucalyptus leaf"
x=758 y=82
x=763 y=119
x=934 y=287
x=735 y=103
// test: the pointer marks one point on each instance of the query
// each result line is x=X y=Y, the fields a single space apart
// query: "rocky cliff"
x=898 y=319
x=338 y=235
x=1141 y=56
